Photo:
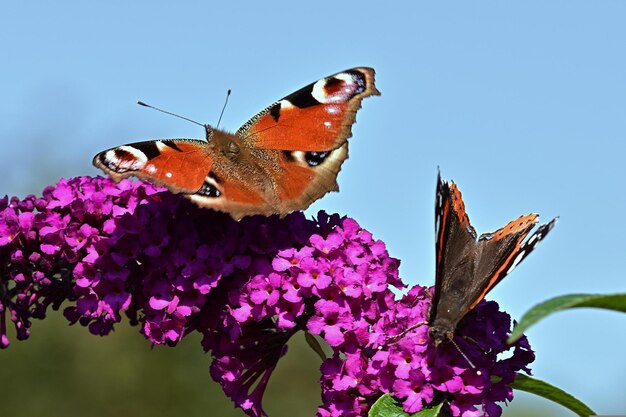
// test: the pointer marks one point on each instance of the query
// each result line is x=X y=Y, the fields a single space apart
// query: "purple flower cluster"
x=49 y=246
x=338 y=287
x=335 y=286
x=415 y=372
x=107 y=250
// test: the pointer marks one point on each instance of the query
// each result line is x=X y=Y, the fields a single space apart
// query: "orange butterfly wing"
x=318 y=117
x=182 y=165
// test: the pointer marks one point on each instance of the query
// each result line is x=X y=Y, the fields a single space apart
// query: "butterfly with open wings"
x=281 y=160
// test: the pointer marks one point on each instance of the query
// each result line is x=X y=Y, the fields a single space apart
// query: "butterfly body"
x=281 y=160
x=467 y=267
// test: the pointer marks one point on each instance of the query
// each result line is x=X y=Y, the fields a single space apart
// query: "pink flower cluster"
x=105 y=250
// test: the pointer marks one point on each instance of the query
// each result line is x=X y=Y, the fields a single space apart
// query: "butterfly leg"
x=400 y=335
x=473 y=341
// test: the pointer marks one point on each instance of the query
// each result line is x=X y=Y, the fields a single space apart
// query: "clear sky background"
x=522 y=103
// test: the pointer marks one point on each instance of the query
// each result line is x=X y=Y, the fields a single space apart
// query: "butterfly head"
x=440 y=334
x=208 y=132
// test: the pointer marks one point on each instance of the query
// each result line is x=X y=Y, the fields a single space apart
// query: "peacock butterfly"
x=468 y=268
x=281 y=160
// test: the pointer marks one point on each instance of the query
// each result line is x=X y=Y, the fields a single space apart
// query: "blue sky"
x=522 y=103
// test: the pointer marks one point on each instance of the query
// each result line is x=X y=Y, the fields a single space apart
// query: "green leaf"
x=552 y=393
x=432 y=411
x=615 y=302
x=315 y=345
x=387 y=406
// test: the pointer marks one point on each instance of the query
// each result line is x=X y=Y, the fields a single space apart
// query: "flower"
x=108 y=251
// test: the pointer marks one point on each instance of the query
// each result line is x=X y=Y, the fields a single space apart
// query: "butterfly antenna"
x=471 y=364
x=141 y=103
x=223 y=108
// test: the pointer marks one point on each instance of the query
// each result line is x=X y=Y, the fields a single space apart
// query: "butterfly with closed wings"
x=468 y=268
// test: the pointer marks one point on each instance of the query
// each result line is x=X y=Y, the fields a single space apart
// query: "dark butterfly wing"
x=501 y=251
x=455 y=244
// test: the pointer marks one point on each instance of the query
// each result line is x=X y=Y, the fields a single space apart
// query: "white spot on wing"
x=285 y=104
x=332 y=110
x=349 y=86
x=202 y=200
x=438 y=214
x=211 y=181
x=110 y=155
x=299 y=156
x=136 y=163
x=318 y=92
x=347 y=78
x=135 y=152
x=516 y=262
x=160 y=146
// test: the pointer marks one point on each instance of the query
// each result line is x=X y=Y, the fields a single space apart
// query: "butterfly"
x=468 y=268
x=281 y=160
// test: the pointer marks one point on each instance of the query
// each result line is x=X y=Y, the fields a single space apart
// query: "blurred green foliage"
x=65 y=371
